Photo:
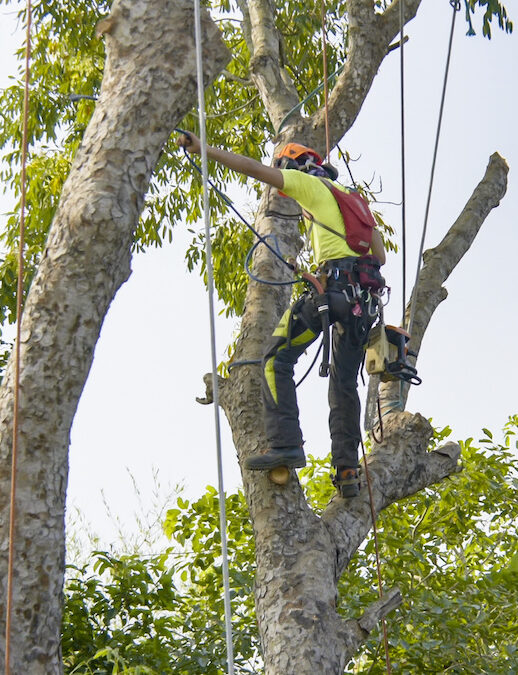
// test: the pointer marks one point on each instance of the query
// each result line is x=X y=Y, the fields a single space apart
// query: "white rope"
x=210 y=284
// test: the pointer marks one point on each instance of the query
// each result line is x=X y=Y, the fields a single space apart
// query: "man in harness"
x=299 y=173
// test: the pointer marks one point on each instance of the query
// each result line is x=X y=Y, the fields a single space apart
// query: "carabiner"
x=350 y=299
x=372 y=301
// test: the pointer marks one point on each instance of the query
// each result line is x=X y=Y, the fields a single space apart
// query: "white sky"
x=138 y=409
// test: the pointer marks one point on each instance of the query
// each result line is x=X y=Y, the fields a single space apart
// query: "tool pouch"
x=367 y=268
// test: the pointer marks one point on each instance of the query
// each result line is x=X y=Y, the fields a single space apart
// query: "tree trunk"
x=148 y=86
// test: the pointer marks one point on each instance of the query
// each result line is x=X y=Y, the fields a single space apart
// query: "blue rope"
x=248 y=260
x=262 y=240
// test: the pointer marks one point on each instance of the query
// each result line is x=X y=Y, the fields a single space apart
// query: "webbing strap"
x=310 y=217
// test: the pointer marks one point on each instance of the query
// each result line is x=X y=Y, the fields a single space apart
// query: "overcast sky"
x=138 y=409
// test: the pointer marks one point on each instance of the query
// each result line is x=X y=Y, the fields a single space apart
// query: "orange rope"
x=19 y=304
x=378 y=565
x=326 y=86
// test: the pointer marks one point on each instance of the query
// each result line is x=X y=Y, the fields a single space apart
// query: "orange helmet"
x=292 y=151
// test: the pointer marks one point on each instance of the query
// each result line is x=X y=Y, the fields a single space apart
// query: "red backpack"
x=358 y=219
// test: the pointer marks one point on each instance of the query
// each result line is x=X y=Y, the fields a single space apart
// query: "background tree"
x=295 y=547
x=147 y=86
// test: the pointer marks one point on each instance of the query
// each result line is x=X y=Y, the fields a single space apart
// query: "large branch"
x=400 y=466
x=268 y=73
x=148 y=87
x=357 y=631
x=370 y=35
x=439 y=262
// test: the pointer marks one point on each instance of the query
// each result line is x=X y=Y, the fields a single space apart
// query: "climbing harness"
x=210 y=284
x=17 y=349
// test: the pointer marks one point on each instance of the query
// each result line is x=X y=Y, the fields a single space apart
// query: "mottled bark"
x=370 y=37
x=147 y=88
x=268 y=73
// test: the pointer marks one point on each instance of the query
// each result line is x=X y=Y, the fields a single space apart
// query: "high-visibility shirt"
x=311 y=193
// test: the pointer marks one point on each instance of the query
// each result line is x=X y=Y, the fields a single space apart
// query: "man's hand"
x=240 y=163
x=190 y=142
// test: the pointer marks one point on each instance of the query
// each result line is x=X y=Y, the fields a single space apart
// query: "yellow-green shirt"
x=311 y=193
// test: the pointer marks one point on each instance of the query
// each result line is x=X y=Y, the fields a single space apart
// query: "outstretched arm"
x=240 y=163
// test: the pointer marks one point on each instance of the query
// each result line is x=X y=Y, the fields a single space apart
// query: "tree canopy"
x=67 y=62
x=451 y=550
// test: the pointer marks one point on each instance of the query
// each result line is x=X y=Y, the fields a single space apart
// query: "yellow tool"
x=387 y=355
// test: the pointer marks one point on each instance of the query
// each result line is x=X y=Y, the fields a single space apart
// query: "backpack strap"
x=312 y=218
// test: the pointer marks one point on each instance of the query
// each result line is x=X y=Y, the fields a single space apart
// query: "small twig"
x=397 y=45
x=209 y=391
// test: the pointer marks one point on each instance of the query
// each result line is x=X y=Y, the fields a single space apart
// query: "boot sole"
x=293 y=464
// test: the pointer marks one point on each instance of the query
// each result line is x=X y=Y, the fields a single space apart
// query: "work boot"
x=347 y=482
x=293 y=457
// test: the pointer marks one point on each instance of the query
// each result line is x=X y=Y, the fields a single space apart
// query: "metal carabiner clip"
x=372 y=302
x=350 y=298
x=380 y=296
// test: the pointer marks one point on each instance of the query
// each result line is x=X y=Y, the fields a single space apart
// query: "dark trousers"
x=281 y=413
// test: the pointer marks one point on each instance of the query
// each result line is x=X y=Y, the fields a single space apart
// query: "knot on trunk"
x=209 y=389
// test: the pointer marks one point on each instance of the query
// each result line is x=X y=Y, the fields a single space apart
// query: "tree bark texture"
x=148 y=86
x=300 y=556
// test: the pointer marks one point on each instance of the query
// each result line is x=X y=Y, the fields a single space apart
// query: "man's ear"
x=285 y=163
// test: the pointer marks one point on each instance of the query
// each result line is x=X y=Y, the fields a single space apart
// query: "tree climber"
x=299 y=173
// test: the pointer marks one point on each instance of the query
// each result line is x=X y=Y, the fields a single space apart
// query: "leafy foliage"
x=164 y=612
x=493 y=8
x=451 y=550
